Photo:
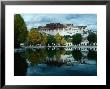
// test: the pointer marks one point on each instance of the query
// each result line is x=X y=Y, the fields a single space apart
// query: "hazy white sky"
x=35 y=20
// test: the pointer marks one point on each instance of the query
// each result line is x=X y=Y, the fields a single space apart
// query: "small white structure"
x=21 y=44
x=85 y=42
x=69 y=44
x=95 y=43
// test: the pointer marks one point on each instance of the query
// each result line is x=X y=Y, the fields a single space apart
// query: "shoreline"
x=22 y=49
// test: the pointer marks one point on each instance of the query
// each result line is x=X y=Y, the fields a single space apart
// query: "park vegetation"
x=77 y=38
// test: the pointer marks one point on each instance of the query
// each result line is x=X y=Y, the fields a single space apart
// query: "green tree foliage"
x=34 y=37
x=51 y=40
x=44 y=39
x=92 y=38
x=60 y=39
x=62 y=42
x=76 y=39
x=20 y=30
x=68 y=38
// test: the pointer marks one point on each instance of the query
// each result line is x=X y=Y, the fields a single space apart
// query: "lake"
x=58 y=61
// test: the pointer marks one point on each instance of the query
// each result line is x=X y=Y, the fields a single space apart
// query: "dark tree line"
x=20 y=30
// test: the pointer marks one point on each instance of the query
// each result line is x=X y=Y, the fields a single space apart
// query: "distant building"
x=63 y=29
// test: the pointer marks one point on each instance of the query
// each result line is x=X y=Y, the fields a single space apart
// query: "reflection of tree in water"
x=55 y=53
x=84 y=60
x=77 y=55
x=50 y=52
x=35 y=56
x=92 y=54
x=81 y=58
x=68 y=52
x=54 y=56
x=20 y=65
x=48 y=56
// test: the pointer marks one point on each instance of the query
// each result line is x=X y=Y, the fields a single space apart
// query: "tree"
x=68 y=38
x=76 y=39
x=34 y=37
x=60 y=39
x=63 y=41
x=51 y=40
x=44 y=39
x=92 y=38
x=20 y=30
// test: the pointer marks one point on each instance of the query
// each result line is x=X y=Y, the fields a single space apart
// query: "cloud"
x=35 y=20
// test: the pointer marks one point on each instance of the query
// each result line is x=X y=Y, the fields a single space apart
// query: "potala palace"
x=62 y=29
x=66 y=29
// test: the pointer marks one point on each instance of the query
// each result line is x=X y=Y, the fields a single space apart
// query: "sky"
x=35 y=20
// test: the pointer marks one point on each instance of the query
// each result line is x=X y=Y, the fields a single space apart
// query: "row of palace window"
x=58 y=30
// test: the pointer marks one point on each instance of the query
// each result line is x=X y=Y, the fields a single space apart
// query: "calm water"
x=55 y=62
